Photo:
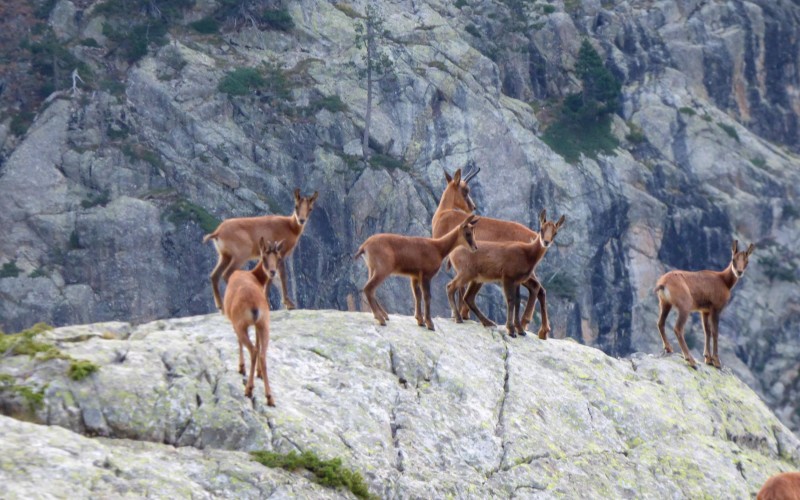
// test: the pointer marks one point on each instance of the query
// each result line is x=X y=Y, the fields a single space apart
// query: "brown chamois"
x=246 y=305
x=511 y=263
x=415 y=257
x=454 y=205
x=706 y=292
x=236 y=241
x=783 y=486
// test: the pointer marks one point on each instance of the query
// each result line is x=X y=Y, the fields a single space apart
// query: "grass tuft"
x=730 y=131
x=183 y=211
x=79 y=369
x=330 y=473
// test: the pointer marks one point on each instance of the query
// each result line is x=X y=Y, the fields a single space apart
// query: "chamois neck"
x=445 y=244
x=729 y=277
x=536 y=248
x=259 y=273
x=295 y=225
x=447 y=202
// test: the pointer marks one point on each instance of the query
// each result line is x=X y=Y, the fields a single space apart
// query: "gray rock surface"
x=460 y=412
x=101 y=196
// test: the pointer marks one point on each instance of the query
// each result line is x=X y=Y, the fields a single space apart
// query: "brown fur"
x=510 y=263
x=783 y=486
x=245 y=306
x=454 y=207
x=236 y=242
x=415 y=257
x=706 y=292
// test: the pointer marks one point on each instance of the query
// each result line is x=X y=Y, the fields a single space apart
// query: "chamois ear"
x=296 y=194
x=543 y=217
x=735 y=247
x=447 y=177
x=279 y=246
x=457 y=176
x=314 y=196
x=750 y=249
x=561 y=221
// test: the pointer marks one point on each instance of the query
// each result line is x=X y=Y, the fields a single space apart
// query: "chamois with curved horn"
x=455 y=205
x=706 y=292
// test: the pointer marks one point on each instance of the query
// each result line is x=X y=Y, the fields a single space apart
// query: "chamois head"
x=466 y=231
x=303 y=205
x=739 y=259
x=457 y=190
x=270 y=256
x=549 y=229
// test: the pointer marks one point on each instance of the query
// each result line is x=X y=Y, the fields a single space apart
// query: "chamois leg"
x=453 y=286
x=241 y=358
x=462 y=293
x=244 y=338
x=679 y=326
x=417 y=291
x=472 y=292
x=532 y=285
x=510 y=292
x=262 y=343
x=707 y=334
x=662 y=321
x=369 y=292
x=287 y=302
x=223 y=262
x=426 y=296
x=517 y=300
x=545 y=328
x=714 y=323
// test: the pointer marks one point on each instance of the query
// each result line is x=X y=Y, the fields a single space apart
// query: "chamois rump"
x=706 y=292
x=236 y=241
x=246 y=305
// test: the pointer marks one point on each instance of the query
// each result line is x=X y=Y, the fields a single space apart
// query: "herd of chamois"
x=480 y=250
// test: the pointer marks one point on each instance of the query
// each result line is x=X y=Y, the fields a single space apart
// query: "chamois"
x=454 y=206
x=511 y=263
x=783 y=486
x=246 y=305
x=706 y=292
x=236 y=242
x=415 y=257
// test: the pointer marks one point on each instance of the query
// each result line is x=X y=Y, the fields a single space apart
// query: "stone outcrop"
x=460 y=412
x=106 y=198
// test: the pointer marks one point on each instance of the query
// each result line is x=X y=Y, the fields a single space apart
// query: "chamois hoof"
x=667 y=350
x=488 y=323
x=707 y=360
x=458 y=319
x=270 y=400
x=522 y=333
x=289 y=305
x=542 y=334
x=716 y=363
x=692 y=363
x=430 y=327
x=248 y=392
x=242 y=370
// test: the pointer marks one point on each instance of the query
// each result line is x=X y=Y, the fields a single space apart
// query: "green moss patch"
x=183 y=211
x=33 y=397
x=329 y=473
x=79 y=369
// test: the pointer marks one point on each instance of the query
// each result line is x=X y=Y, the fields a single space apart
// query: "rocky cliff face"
x=460 y=412
x=107 y=195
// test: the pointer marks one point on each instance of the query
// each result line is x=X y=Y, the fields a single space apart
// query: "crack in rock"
x=395 y=438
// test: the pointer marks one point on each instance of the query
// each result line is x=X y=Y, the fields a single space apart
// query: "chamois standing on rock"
x=236 y=241
x=707 y=292
x=454 y=206
x=246 y=305
x=783 y=486
x=416 y=257
x=511 y=263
